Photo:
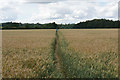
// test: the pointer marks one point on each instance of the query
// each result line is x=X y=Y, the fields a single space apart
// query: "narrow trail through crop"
x=57 y=57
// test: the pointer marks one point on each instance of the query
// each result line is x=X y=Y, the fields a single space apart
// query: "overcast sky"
x=59 y=11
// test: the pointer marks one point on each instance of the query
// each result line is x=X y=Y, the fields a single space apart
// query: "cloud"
x=50 y=1
x=41 y=1
x=67 y=11
x=8 y=12
x=119 y=10
x=109 y=11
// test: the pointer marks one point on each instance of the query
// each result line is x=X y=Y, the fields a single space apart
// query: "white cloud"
x=58 y=11
x=110 y=11
x=69 y=12
x=8 y=11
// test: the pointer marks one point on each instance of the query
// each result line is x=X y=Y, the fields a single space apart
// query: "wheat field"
x=92 y=41
x=90 y=53
x=27 y=53
x=81 y=53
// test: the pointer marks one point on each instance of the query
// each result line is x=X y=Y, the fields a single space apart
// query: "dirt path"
x=57 y=57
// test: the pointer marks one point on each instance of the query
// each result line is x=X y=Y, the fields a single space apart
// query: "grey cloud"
x=50 y=1
x=42 y=1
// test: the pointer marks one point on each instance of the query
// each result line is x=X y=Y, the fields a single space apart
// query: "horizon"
x=58 y=23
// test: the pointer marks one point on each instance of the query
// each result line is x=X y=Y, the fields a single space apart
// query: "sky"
x=59 y=11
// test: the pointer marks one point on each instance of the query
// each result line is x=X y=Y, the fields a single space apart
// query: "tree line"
x=89 y=24
x=14 y=25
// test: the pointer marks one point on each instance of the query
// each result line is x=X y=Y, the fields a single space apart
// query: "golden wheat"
x=91 y=52
x=26 y=53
